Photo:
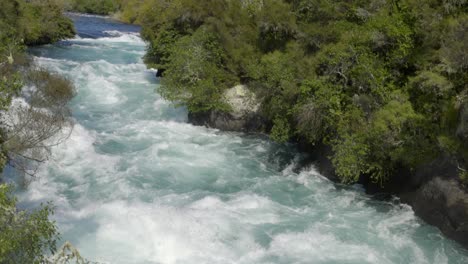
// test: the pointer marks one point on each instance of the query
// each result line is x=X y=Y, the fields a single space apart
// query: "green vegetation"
x=29 y=23
x=99 y=7
x=381 y=82
x=29 y=236
x=34 y=22
x=24 y=236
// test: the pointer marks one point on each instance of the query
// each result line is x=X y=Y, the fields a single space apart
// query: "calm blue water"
x=135 y=183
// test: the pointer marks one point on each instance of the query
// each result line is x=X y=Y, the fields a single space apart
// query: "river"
x=135 y=183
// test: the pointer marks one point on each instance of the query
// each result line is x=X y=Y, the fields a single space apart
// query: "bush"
x=34 y=22
x=24 y=236
x=99 y=7
x=195 y=74
x=30 y=126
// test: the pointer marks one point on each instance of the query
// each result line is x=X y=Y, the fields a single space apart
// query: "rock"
x=444 y=204
x=436 y=194
x=433 y=190
x=160 y=72
x=244 y=116
x=242 y=101
x=319 y=156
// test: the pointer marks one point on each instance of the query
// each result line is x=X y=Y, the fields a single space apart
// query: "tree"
x=31 y=125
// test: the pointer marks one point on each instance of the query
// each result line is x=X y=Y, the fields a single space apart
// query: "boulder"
x=436 y=194
x=160 y=72
x=244 y=115
x=443 y=203
x=433 y=190
x=242 y=101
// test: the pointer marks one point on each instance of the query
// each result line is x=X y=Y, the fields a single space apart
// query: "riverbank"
x=434 y=190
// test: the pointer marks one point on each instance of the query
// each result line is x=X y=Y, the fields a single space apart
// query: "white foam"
x=10 y=117
x=133 y=38
x=116 y=33
x=322 y=248
x=85 y=15
x=98 y=78
x=159 y=234
x=39 y=59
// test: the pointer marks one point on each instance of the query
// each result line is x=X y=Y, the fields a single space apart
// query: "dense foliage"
x=28 y=119
x=30 y=236
x=24 y=236
x=100 y=7
x=34 y=22
x=381 y=82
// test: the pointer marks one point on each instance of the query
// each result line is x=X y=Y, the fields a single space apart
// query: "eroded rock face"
x=433 y=190
x=443 y=203
x=439 y=198
x=244 y=116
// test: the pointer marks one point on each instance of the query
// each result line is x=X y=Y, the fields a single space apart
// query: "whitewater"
x=135 y=183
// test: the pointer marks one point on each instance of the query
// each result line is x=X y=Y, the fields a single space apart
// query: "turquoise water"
x=135 y=183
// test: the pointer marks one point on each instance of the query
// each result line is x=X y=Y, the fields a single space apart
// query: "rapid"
x=135 y=183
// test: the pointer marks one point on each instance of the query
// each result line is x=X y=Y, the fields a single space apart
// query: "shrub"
x=24 y=236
